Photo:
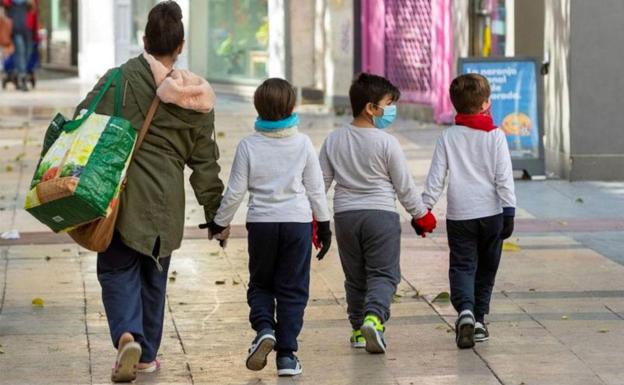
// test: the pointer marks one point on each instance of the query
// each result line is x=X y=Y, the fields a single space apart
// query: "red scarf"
x=482 y=121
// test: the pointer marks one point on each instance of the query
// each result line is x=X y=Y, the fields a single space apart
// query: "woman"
x=133 y=271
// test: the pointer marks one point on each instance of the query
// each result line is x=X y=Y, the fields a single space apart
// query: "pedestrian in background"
x=474 y=156
x=17 y=11
x=133 y=271
x=279 y=167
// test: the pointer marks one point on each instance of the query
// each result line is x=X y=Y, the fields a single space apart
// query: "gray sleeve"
x=504 y=173
x=436 y=179
x=402 y=180
x=313 y=183
x=326 y=167
x=237 y=187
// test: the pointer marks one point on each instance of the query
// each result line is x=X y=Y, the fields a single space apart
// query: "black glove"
x=214 y=229
x=324 y=236
x=508 y=222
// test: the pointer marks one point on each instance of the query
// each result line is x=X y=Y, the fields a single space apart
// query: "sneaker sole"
x=358 y=345
x=374 y=344
x=481 y=339
x=257 y=360
x=289 y=372
x=465 y=339
x=126 y=368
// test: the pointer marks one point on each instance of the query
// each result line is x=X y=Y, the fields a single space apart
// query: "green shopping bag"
x=82 y=165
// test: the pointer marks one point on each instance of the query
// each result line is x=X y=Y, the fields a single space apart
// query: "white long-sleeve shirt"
x=283 y=177
x=480 y=175
x=370 y=171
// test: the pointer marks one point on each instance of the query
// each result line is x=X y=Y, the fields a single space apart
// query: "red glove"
x=315 y=240
x=424 y=225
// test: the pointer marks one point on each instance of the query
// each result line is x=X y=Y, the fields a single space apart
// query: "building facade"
x=320 y=44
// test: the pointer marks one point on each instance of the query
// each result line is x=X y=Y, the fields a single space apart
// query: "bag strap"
x=146 y=125
x=113 y=77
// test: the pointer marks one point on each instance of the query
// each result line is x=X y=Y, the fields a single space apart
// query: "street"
x=557 y=314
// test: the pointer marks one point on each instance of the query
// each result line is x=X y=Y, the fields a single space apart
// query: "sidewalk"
x=557 y=315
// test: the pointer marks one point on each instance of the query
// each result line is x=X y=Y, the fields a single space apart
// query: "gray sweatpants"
x=369 y=244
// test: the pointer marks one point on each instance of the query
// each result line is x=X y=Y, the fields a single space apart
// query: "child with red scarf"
x=481 y=203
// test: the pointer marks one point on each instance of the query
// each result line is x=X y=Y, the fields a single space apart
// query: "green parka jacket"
x=151 y=216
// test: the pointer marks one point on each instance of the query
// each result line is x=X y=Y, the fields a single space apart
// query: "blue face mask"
x=387 y=118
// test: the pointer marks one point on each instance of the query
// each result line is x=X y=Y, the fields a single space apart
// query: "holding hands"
x=425 y=224
x=217 y=232
x=321 y=237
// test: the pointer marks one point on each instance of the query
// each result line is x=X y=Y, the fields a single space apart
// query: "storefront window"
x=238 y=36
x=140 y=11
x=488 y=29
x=55 y=22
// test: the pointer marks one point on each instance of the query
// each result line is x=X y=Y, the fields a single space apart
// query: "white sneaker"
x=481 y=333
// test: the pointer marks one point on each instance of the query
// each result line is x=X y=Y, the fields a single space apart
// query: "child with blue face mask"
x=370 y=171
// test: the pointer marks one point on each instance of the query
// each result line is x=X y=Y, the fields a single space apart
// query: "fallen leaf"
x=101 y=314
x=66 y=250
x=37 y=302
x=603 y=331
x=442 y=297
x=396 y=298
x=220 y=282
x=172 y=278
x=214 y=253
x=221 y=134
x=182 y=303
x=174 y=273
x=8 y=168
x=510 y=246
x=416 y=295
x=580 y=200
x=531 y=289
x=235 y=283
x=441 y=327
x=1 y=350
x=47 y=257
x=563 y=223
x=20 y=156
x=564 y=317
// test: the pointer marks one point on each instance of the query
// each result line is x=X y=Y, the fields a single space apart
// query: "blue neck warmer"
x=277 y=125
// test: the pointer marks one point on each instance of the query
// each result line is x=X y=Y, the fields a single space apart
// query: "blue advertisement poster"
x=514 y=102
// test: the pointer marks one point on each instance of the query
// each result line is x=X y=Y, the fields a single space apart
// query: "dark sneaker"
x=373 y=332
x=288 y=366
x=357 y=340
x=465 y=330
x=260 y=348
x=481 y=333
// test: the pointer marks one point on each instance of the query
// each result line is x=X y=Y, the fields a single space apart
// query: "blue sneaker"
x=465 y=330
x=288 y=366
x=260 y=348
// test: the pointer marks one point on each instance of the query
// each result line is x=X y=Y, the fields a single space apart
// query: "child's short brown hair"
x=469 y=92
x=275 y=99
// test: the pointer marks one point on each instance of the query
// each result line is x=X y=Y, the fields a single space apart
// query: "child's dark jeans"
x=279 y=269
x=476 y=248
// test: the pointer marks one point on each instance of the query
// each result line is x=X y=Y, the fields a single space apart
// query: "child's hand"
x=323 y=238
x=508 y=223
x=217 y=232
x=424 y=225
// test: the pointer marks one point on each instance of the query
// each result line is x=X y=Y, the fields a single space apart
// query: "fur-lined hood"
x=181 y=87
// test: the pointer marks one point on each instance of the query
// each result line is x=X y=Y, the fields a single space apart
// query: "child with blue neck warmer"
x=279 y=167
x=371 y=172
